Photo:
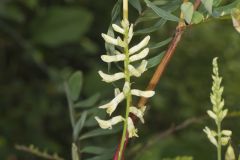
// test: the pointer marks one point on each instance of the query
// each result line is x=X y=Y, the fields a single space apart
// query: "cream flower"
x=140 y=55
x=111 y=78
x=211 y=135
x=107 y=124
x=130 y=33
x=114 y=41
x=139 y=46
x=138 y=112
x=114 y=58
x=140 y=93
x=112 y=105
x=132 y=131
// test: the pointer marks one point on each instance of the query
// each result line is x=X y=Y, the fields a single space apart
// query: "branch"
x=35 y=151
x=160 y=69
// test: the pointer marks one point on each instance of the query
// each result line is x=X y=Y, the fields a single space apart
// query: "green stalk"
x=127 y=80
x=219 y=147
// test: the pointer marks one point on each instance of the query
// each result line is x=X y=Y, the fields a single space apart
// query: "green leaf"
x=160 y=44
x=136 y=4
x=88 y=102
x=152 y=62
x=208 y=4
x=197 y=17
x=187 y=9
x=102 y=157
x=116 y=11
x=95 y=150
x=153 y=28
x=161 y=13
x=216 y=2
x=60 y=25
x=75 y=85
x=79 y=125
x=99 y=132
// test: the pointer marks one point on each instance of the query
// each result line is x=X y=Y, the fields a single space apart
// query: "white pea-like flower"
x=130 y=33
x=111 y=78
x=140 y=55
x=210 y=135
x=112 y=105
x=133 y=71
x=139 y=46
x=143 y=66
x=132 y=131
x=139 y=93
x=126 y=88
x=115 y=41
x=138 y=112
x=114 y=58
x=118 y=28
x=107 y=124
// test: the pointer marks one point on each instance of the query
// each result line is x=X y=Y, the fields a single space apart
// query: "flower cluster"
x=126 y=55
x=218 y=113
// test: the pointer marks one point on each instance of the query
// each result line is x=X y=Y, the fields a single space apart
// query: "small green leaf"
x=187 y=9
x=79 y=125
x=102 y=157
x=160 y=44
x=216 y=3
x=225 y=10
x=153 y=28
x=75 y=85
x=208 y=4
x=197 y=17
x=161 y=13
x=88 y=102
x=116 y=11
x=99 y=132
x=152 y=62
x=95 y=150
x=136 y=4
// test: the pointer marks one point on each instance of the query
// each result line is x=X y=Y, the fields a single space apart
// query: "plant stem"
x=219 y=147
x=127 y=80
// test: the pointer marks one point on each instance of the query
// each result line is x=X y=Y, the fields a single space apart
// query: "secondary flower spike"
x=126 y=56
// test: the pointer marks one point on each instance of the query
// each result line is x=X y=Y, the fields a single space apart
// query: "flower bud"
x=210 y=135
x=133 y=71
x=230 y=153
x=140 y=55
x=227 y=133
x=126 y=88
x=118 y=28
x=111 y=78
x=225 y=140
x=132 y=131
x=139 y=46
x=211 y=114
x=130 y=33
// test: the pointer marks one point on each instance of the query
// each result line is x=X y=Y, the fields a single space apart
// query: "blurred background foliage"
x=42 y=42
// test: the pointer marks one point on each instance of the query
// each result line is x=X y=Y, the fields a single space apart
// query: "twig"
x=162 y=66
x=35 y=151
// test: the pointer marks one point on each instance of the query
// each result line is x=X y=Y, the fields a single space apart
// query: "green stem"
x=219 y=147
x=128 y=95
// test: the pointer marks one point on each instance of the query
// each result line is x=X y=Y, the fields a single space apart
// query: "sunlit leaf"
x=187 y=10
x=160 y=12
x=236 y=19
x=208 y=4
x=197 y=17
